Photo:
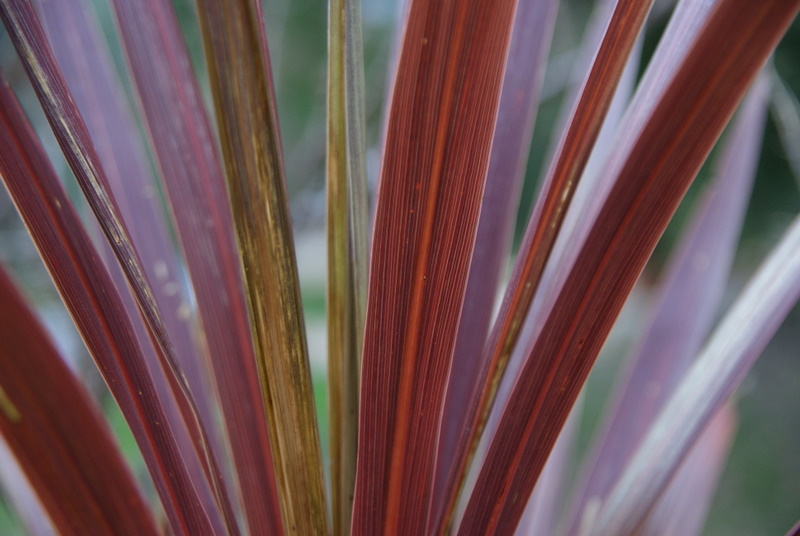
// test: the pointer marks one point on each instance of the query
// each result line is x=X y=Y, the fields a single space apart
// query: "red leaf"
x=58 y=435
x=435 y=163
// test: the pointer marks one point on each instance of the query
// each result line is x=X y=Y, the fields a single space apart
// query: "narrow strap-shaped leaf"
x=70 y=131
x=519 y=100
x=241 y=83
x=582 y=60
x=94 y=304
x=436 y=157
x=57 y=433
x=545 y=504
x=681 y=510
x=185 y=151
x=548 y=214
x=543 y=522
x=347 y=224
x=653 y=167
x=689 y=301
x=17 y=490
x=730 y=352
x=584 y=194
x=86 y=64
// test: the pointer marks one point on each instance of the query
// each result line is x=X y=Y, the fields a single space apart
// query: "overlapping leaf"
x=730 y=352
x=47 y=418
x=87 y=68
x=241 y=83
x=681 y=510
x=689 y=301
x=183 y=144
x=18 y=492
x=559 y=186
x=656 y=159
x=435 y=162
x=97 y=309
x=530 y=42
x=85 y=62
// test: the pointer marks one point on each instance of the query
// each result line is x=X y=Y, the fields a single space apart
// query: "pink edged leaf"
x=183 y=144
x=722 y=364
x=97 y=309
x=18 y=492
x=690 y=295
x=545 y=503
x=58 y=435
x=86 y=64
x=85 y=61
x=73 y=137
x=519 y=100
x=573 y=153
x=681 y=510
x=655 y=160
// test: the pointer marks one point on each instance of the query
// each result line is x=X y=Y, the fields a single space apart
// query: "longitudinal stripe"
x=436 y=158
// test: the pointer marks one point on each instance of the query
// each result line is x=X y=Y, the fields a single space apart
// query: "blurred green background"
x=759 y=492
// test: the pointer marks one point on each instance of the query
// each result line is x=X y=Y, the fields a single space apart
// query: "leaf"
x=519 y=100
x=241 y=83
x=688 y=304
x=22 y=497
x=545 y=503
x=573 y=153
x=436 y=158
x=722 y=364
x=48 y=419
x=86 y=64
x=97 y=310
x=183 y=143
x=656 y=157
x=70 y=131
x=347 y=224
x=681 y=510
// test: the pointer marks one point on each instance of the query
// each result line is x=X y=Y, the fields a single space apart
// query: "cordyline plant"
x=444 y=418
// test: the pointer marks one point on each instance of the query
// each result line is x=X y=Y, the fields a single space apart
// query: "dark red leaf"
x=435 y=163
x=654 y=163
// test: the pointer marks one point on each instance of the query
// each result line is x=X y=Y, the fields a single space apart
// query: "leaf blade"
x=177 y=124
x=82 y=490
x=690 y=295
x=524 y=72
x=722 y=364
x=686 y=119
x=571 y=157
x=347 y=247
x=682 y=508
x=85 y=62
x=247 y=120
x=435 y=160
x=97 y=310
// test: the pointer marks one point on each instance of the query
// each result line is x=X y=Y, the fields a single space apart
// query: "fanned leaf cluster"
x=446 y=418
